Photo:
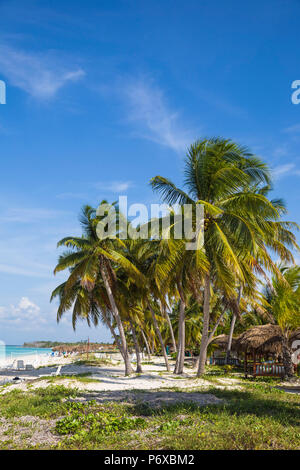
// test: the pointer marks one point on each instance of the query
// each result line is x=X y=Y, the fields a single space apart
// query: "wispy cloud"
x=23 y=271
x=147 y=108
x=26 y=314
x=113 y=186
x=26 y=215
x=292 y=129
x=70 y=195
x=40 y=75
x=285 y=170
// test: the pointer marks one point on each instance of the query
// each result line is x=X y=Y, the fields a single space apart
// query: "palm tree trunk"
x=287 y=357
x=152 y=346
x=205 y=329
x=137 y=349
x=211 y=335
x=179 y=348
x=128 y=368
x=157 y=330
x=146 y=344
x=230 y=336
x=171 y=330
x=232 y=325
x=181 y=332
x=113 y=333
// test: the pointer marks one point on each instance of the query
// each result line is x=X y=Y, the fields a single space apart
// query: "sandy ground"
x=111 y=378
x=27 y=431
x=35 y=360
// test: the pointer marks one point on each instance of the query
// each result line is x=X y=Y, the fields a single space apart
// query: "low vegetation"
x=256 y=415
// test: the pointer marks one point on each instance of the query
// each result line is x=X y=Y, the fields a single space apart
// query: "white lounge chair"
x=20 y=365
x=10 y=366
x=53 y=374
x=58 y=371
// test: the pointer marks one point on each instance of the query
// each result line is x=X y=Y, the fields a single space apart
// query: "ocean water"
x=14 y=352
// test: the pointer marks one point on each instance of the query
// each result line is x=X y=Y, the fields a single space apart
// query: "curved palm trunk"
x=171 y=332
x=211 y=335
x=179 y=348
x=152 y=346
x=157 y=331
x=232 y=325
x=205 y=329
x=137 y=349
x=230 y=336
x=128 y=368
x=164 y=311
x=146 y=344
x=181 y=340
x=287 y=358
x=113 y=333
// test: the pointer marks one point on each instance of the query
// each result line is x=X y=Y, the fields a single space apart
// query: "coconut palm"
x=90 y=258
x=283 y=298
x=220 y=175
x=93 y=307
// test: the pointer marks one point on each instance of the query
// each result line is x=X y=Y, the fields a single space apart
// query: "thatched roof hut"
x=263 y=339
x=221 y=342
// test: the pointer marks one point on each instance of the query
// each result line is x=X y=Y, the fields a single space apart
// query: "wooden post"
x=254 y=364
x=88 y=347
x=246 y=365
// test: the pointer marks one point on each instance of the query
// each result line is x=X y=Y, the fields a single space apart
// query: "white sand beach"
x=105 y=378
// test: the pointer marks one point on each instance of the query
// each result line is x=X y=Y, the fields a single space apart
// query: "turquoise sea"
x=13 y=351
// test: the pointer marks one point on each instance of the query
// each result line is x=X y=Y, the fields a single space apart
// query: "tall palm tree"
x=283 y=298
x=220 y=175
x=93 y=307
x=143 y=255
x=90 y=258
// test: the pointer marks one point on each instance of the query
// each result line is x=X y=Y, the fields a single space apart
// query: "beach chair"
x=53 y=374
x=20 y=365
x=29 y=367
x=10 y=366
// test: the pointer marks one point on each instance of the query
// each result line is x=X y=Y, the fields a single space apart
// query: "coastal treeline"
x=54 y=344
x=154 y=294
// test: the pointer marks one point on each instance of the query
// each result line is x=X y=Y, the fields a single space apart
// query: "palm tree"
x=143 y=255
x=283 y=298
x=90 y=306
x=220 y=175
x=91 y=258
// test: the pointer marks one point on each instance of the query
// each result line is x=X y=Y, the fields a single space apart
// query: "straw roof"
x=78 y=348
x=264 y=339
x=221 y=342
x=259 y=339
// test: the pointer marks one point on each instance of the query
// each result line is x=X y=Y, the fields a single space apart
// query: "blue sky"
x=104 y=95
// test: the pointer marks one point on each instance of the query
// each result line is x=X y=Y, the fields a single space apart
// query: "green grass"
x=42 y=402
x=84 y=378
x=257 y=417
x=92 y=361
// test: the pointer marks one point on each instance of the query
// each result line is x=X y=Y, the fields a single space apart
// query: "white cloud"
x=26 y=304
x=22 y=271
x=148 y=109
x=113 y=186
x=285 y=170
x=292 y=129
x=30 y=215
x=40 y=75
x=71 y=195
x=22 y=313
